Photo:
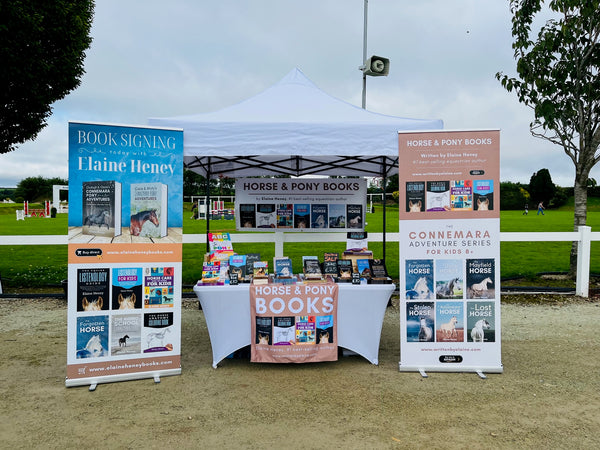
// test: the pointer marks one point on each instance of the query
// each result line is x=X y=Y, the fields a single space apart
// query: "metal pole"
x=384 y=202
x=364 y=83
x=208 y=205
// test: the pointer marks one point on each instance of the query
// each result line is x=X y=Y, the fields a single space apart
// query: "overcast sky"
x=154 y=58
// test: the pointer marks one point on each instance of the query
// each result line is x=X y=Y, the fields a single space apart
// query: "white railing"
x=584 y=237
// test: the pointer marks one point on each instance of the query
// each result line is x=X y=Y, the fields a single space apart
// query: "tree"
x=513 y=196
x=541 y=187
x=559 y=80
x=37 y=188
x=42 y=49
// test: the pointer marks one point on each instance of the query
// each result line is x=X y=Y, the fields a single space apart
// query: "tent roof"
x=292 y=128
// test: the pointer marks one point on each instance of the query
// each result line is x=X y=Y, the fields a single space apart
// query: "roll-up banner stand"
x=450 y=251
x=125 y=247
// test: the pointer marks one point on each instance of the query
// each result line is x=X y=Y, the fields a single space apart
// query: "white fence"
x=584 y=237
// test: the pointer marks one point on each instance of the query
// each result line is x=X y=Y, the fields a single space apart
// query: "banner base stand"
x=93 y=383
x=478 y=370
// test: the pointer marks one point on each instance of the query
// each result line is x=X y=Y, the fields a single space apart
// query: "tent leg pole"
x=384 y=212
x=208 y=205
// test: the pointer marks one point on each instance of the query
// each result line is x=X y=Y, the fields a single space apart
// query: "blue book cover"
x=92 y=337
x=127 y=288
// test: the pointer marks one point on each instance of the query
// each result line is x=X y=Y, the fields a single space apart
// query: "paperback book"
x=345 y=270
x=330 y=266
x=148 y=210
x=101 y=208
x=282 y=267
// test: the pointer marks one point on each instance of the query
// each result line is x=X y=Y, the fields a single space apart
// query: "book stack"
x=312 y=269
x=379 y=274
x=282 y=268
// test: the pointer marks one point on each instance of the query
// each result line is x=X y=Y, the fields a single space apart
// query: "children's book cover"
x=266 y=215
x=483 y=195
x=284 y=330
x=92 y=337
x=481 y=277
x=419 y=279
x=127 y=288
x=264 y=330
x=158 y=333
x=449 y=278
x=301 y=216
x=461 y=195
x=337 y=215
x=437 y=196
x=306 y=330
x=247 y=215
x=285 y=215
x=159 y=287
x=420 y=321
x=101 y=208
x=450 y=324
x=481 y=320
x=126 y=334
x=149 y=209
x=237 y=265
x=415 y=196
x=318 y=216
x=325 y=329
x=93 y=289
x=354 y=216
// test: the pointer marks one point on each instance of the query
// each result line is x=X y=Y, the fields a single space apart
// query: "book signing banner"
x=450 y=251
x=125 y=246
x=300 y=204
x=294 y=323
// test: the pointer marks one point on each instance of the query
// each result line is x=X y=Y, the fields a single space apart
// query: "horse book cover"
x=127 y=288
x=149 y=205
x=126 y=334
x=158 y=333
x=419 y=279
x=101 y=208
x=481 y=276
x=415 y=196
x=93 y=289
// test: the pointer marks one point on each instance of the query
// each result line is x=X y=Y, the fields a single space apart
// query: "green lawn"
x=30 y=266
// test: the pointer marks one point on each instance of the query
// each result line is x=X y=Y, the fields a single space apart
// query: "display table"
x=360 y=317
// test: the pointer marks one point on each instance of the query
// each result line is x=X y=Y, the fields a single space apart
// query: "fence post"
x=583 y=261
x=279 y=238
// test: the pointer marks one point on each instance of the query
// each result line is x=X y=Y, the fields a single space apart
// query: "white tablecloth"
x=360 y=317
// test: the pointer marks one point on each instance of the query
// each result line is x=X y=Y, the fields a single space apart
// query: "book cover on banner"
x=481 y=278
x=419 y=279
x=306 y=330
x=330 y=265
x=483 y=195
x=324 y=326
x=127 y=288
x=420 y=321
x=354 y=216
x=149 y=209
x=337 y=215
x=301 y=216
x=266 y=215
x=450 y=324
x=93 y=289
x=264 y=330
x=92 y=337
x=285 y=215
x=415 y=196
x=126 y=334
x=284 y=330
x=318 y=216
x=461 y=195
x=449 y=278
x=437 y=196
x=481 y=320
x=101 y=208
x=158 y=332
x=159 y=287
x=247 y=215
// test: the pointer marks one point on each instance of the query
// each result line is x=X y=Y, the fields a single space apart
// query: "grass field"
x=37 y=266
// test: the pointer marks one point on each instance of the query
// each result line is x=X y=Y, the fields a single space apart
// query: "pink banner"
x=294 y=323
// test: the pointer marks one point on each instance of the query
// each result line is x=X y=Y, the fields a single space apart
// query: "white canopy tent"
x=292 y=128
